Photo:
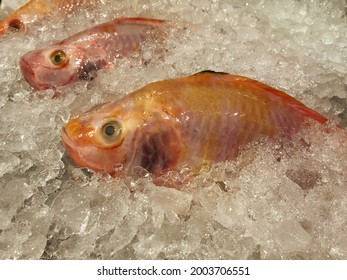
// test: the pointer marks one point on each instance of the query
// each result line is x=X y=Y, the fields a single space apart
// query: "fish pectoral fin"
x=159 y=150
x=89 y=70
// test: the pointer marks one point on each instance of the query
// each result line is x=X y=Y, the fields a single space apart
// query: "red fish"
x=79 y=56
x=37 y=9
x=192 y=121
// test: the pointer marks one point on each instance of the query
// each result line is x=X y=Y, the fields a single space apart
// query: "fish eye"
x=58 y=57
x=111 y=132
x=15 y=25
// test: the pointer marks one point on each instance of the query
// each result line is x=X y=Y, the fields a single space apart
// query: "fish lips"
x=30 y=76
x=74 y=152
x=71 y=149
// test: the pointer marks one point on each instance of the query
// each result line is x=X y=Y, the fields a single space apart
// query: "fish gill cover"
x=272 y=203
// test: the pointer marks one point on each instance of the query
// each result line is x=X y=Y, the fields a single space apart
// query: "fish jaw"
x=71 y=150
x=4 y=27
x=84 y=156
x=30 y=76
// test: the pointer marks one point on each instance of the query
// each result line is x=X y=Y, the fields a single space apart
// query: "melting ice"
x=272 y=203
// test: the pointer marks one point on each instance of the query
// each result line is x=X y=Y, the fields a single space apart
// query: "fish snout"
x=29 y=74
x=70 y=146
x=2 y=28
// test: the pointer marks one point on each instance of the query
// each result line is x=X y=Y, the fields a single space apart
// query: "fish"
x=81 y=55
x=192 y=122
x=35 y=10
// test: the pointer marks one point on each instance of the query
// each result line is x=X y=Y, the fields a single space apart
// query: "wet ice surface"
x=272 y=203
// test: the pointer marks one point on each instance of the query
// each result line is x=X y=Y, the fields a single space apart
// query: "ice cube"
x=13 y=194
x=8 y=162
x=291 y=236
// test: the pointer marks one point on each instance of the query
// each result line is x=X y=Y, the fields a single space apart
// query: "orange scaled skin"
x=191 y=121
x=37 y=9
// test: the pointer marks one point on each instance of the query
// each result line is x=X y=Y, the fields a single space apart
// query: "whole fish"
x=37 y=9
x=79 y=56
x=192 y=121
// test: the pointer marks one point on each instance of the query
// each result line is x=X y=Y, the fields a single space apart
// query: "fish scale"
x=192 y=121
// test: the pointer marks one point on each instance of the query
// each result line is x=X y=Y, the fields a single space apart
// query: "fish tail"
x=309 y=113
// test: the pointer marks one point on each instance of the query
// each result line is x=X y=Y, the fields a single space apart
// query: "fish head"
x=52 y=67
x=101 y=141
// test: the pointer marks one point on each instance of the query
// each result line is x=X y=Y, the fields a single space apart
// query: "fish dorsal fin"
x=243 y=84
x=210 y=72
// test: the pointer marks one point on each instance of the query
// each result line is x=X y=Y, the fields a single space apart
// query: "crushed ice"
x=272 y=203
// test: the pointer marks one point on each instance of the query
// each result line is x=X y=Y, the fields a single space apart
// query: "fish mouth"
x=74 y=153
x=71 y=148
x=28 y=73
x=26 y=69
x=2 y=28
x=30 y=76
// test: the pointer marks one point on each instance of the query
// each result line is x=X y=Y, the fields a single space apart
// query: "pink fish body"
x=191 y=121
x=79 y=56
x=35 y=10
